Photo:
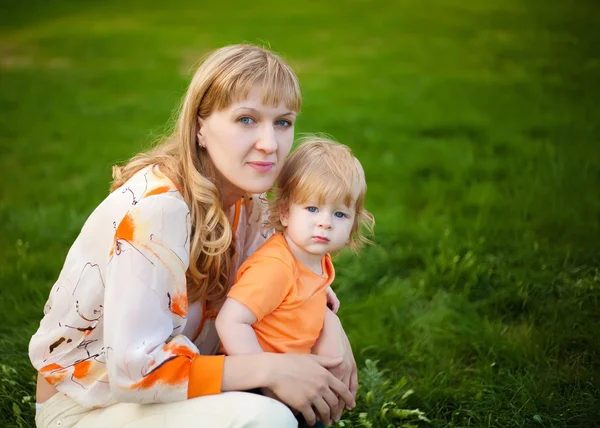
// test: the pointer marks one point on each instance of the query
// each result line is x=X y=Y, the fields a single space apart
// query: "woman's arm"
x=303 y=382
x=145 y=296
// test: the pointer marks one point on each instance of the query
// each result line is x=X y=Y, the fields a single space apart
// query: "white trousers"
x=226 y=410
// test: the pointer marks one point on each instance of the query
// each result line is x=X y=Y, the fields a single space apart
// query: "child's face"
x=318 y=229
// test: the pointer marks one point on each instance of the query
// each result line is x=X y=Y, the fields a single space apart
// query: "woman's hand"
x=333 y=342
x=333 y=302
x=304 y=383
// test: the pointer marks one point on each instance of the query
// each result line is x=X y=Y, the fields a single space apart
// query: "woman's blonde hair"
x=226 y=76
x=322 y=170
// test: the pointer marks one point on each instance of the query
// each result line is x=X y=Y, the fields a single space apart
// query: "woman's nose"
x=267 y=141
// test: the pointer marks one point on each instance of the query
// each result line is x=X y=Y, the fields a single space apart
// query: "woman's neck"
x=229 y=193
x=228 y=199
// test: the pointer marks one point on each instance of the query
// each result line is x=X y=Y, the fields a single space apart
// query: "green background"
x=477 y=125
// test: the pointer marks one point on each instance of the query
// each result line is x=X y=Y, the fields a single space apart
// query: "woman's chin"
x=257 y=186
x=257 y=190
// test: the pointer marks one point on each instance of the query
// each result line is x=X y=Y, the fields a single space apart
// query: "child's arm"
x=234 y=325
x=334 y=343
x=330 y=342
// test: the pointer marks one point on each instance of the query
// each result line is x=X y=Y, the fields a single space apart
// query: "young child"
x=279 y=299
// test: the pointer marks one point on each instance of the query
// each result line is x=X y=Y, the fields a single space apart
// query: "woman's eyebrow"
x=246 y=108
x=252 y=109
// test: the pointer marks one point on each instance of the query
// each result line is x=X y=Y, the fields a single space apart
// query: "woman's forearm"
x=244 y=372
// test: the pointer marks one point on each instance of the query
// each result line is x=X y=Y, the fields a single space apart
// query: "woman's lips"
x=261 y=166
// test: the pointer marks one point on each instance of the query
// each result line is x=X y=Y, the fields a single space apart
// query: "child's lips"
x=321 y=239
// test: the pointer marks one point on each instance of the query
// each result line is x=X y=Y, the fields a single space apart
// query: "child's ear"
x=283 y=216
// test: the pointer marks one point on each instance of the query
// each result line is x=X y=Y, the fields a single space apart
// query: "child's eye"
x=284 y=123
x=340 y=214
x=312 y=209
x=246 y=120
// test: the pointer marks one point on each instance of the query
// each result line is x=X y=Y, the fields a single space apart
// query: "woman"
x=130 y=320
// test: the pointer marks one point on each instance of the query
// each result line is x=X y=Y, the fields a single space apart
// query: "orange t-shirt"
x=287 y=298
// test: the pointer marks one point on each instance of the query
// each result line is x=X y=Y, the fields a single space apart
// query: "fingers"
x=346 y=379
x=344 y=376
x=309 y=415
x=336 y=411
x=332 y=400
x=333 y=302
x=342 y=391
x=323 y=410
x=327 y=362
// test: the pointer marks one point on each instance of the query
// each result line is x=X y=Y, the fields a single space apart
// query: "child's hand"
x=332 y=301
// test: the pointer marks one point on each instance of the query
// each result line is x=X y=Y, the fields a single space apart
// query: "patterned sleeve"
x=147 y=360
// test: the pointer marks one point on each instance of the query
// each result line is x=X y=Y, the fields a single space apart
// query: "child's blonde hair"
x=226 y=76
x=326 y=171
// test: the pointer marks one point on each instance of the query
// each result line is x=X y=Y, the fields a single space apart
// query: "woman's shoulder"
x=148 y=182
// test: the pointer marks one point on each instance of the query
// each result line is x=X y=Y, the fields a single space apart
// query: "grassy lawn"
x=477 y=122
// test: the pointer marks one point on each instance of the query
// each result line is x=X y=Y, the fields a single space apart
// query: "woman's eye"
x=339 y=214
x=284 y=123
x=246 y=120
x=312 y=209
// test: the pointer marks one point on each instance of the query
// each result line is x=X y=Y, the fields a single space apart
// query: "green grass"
x=477 y=124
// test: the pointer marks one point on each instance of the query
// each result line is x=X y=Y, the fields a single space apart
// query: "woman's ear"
x=199 y=138
x=200 y=123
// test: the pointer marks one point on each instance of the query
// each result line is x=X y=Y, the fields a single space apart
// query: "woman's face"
x=247 y=142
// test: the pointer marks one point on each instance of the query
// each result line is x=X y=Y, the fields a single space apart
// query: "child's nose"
x=325 y=222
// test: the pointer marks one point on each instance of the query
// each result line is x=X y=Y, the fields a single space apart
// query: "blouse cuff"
x=206 y=375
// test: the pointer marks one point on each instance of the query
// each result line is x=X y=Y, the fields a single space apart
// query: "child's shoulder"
x=273 y=251
x=275 y=246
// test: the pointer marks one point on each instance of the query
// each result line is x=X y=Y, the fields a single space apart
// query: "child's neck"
x=311 y=261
